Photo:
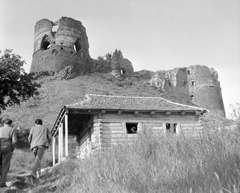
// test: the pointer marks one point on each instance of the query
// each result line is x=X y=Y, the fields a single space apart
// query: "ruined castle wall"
x=54 y=50
x=42 y=28
x=182 y=82
x=204 y=88
x=197 y=84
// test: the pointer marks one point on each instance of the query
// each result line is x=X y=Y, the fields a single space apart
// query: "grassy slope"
x=56 y=93
x=152 y=167
x=210 y=163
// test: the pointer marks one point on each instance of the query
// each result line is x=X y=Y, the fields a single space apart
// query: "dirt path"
x=23 y=183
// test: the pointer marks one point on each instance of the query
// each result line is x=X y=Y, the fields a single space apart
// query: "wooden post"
x=54 y=150
x=61 y=140
x=66 y=135
x=59 y=151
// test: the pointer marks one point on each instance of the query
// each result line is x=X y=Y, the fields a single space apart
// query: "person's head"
x=38 y=122
x=7 y=121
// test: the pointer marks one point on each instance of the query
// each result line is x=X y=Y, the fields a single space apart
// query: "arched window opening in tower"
x=75 y=49
x=123 y=72
x=193 y=83
x=55 y=28
x=77 y=46
x=45 y=44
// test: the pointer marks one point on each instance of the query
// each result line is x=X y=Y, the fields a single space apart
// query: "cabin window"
x=131 y=128
x=171 y=127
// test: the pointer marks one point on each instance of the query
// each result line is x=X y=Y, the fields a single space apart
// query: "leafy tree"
x=15 y=84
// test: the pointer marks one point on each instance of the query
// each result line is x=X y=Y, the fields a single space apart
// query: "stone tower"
x=204 y=88
x=198 y=83
x=67 y=46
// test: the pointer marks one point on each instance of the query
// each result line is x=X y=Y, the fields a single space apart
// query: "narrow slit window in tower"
x=122 y=71
x=192 y=97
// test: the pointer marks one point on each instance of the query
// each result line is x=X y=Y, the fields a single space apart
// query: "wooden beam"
x=59 y=151
x=119 y=112
x=183 y=113
x=168 y=113
x=197 y=113
x=136 y=112
x=152 y=113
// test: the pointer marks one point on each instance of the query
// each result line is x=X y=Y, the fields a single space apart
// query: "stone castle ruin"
x=198 y=82
x=62 y=47
x=54 y=50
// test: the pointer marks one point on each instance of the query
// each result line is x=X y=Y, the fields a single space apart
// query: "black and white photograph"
x=120 y=96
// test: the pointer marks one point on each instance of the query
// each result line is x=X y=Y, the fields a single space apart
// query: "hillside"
x=56 y=92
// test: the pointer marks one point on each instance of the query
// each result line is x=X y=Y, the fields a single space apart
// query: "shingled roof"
x=78 y=112
x=109 y=102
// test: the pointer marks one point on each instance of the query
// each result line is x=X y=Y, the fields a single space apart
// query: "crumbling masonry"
x=198 y=82
x=54 y=50
x=63 y=45
x=65 y=50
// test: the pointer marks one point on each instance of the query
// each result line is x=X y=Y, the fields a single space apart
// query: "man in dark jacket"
x=8 y=137
x=39 y=138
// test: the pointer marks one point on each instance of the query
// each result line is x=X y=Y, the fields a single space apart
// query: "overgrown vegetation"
x=155 y=163
x=210 y=163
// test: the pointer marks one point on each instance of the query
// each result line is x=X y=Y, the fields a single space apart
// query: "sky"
x=153 y=34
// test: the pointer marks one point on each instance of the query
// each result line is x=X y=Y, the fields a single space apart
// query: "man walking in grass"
x=39 y=138
x=8 y=139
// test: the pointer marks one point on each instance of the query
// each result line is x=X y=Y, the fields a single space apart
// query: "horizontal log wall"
x=113 y=130
x=110 y=129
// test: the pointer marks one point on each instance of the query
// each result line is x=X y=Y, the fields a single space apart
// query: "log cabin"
x=100 y=121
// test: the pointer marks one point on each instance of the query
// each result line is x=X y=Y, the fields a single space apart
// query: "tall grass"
x=210 y=163
x=22 y=161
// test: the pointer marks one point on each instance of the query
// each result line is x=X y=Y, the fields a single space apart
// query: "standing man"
x=8 y=136
x=39 y=138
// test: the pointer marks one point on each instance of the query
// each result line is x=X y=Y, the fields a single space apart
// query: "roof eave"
x=61 y=114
